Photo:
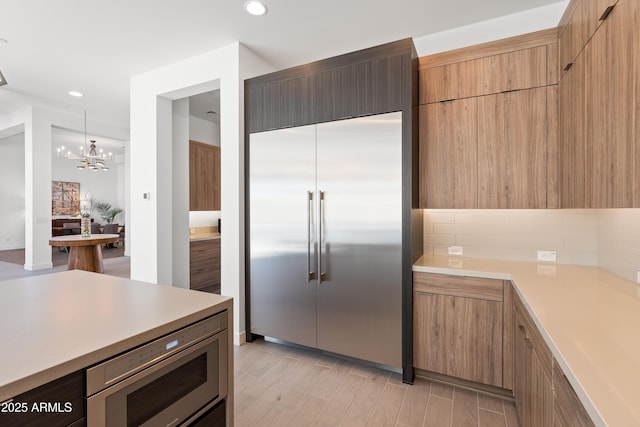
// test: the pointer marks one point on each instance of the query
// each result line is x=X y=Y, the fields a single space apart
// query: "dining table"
x=85 y=253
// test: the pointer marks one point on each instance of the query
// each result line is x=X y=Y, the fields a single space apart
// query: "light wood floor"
x=278 y=385
x=120 y=267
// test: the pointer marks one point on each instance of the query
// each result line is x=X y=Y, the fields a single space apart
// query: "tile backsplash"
x=609 y=238
x=619 y=241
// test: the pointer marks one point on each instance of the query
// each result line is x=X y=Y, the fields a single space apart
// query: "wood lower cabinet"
x=204 y=265
x=567 y=408
x=543 y=395
x=532 y=373
x=458 y=327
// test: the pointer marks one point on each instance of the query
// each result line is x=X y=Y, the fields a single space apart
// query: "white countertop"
x=590 y=319
x=55 y=324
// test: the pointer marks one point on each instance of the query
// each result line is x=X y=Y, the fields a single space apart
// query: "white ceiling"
x=55 y=46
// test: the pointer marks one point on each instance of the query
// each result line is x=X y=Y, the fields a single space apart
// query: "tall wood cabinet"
x=599 y=123
x=488 y=125
x=204 y=177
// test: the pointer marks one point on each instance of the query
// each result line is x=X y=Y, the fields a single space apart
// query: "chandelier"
x=90 y=158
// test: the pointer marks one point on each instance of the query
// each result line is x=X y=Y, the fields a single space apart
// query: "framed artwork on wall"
x=65 y=198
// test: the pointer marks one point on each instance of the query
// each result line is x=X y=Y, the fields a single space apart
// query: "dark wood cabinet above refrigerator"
x=371 y=81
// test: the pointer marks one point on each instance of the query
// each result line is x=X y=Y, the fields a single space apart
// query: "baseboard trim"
x=470 y=385
x=240 y=338
x=33 y=267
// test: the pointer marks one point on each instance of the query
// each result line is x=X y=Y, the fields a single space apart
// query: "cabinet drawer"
x=460 y=286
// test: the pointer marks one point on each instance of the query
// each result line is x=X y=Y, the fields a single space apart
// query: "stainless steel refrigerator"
x=325 y=238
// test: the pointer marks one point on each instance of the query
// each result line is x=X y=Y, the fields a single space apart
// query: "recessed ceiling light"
x=76 y=93
x=255 y=7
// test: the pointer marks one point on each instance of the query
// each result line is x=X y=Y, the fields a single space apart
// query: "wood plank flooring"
x=279 y=385
x=120 y=267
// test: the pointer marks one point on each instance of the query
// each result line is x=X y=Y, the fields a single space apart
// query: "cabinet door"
x=522 y=372
x=204 y=177
x=512 y=144
x=460 y=337
x=567 y=408
x=610 y=110
x=519 y=69
x=571 y=136
x=541 y=394
x=449 y=154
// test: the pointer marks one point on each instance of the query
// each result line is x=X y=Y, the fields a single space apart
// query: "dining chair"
x=111 y=229
x=95 y=228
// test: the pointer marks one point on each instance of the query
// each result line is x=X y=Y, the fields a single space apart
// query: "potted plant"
x=107 y=212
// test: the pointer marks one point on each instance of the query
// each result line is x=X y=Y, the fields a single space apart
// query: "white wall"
x=103 y=185
x=204 y=131
x=224 y=68
x=12 y=192
x=619 y=241
x=528 y=21
x=180 y=220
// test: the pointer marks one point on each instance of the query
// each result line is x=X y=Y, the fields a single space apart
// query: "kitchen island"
x=589 y=318
x=57 y=324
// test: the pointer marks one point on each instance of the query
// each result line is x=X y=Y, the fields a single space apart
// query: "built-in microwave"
x=167 y=382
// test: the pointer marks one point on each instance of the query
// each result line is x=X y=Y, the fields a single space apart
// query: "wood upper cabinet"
x=611 y=120
x=519 y=69
x=512 y=149
x=578 y=24
x=599 y=124
x=488 y=125
x=204 y=177
x=458 y=327
x=449 y=154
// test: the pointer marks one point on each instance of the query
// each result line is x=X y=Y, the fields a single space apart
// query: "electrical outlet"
x=547 y=256
x=454 y=250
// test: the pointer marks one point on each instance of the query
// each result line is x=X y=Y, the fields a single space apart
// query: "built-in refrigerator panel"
x=326 y=236
x=282 y=175
x=359 y=179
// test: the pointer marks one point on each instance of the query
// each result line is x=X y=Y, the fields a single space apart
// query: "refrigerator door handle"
x=310 y=274
x=320 y=274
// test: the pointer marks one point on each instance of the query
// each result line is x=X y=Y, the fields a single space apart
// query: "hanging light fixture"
x=91 y=158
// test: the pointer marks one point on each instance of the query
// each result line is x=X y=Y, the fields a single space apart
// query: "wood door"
x=460 y=337
x=610 y=147
x=512 y=150
x=448 y=154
